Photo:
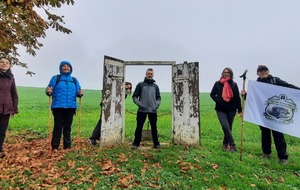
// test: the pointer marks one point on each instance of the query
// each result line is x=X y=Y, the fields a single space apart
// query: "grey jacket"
x=147 y=96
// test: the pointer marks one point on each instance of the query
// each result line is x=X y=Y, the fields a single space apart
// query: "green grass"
x=172 y=167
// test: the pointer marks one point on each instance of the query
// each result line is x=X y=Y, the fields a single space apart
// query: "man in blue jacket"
x=147 y=97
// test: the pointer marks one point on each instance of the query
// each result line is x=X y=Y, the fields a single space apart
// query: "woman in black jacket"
x=226 y=94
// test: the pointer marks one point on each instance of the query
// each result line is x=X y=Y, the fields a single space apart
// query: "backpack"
x=58 y=79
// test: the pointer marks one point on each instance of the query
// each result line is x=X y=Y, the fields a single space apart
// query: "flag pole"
x=243 y=106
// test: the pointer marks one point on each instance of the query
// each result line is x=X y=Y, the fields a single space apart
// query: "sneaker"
x=93 y=142
x=157 y=146
x=283 y=161
x=265 y=156
x=134 y=147
x=232 y=148
x=2 y=154
x=225 y=147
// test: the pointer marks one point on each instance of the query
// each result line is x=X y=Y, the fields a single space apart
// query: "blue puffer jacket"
x=65 y=91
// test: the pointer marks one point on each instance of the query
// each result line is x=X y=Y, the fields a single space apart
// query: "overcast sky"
x=240 y=34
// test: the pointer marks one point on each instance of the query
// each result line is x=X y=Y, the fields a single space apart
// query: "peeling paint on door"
x=112 y=130
x=186 y=118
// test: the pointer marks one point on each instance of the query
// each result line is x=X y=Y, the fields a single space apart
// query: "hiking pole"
x=79 y=123
x=243 y=106
x=50 y=125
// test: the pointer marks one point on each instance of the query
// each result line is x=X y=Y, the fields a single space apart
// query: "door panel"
x=186 y=118
x=112 y=130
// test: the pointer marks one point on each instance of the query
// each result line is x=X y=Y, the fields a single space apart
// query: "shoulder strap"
x=58 y=79
x=74 y=80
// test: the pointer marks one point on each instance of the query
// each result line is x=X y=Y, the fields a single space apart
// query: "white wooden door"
x=186 y=112
x=112 y=130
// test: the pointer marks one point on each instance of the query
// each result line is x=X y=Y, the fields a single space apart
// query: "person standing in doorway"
x=64 y=89
x=8 y=99
x=226 y=94
x=147 y=97
x=96 y=134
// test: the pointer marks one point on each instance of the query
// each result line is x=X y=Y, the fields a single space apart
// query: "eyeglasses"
x=226 y=72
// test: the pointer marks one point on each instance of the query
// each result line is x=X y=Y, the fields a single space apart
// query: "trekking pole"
x=79 y=123
x=50 y=125
x=243 y=106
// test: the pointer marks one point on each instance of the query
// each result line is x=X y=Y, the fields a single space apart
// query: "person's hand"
x=49 y=91
x=243 y=92
x=80 y=94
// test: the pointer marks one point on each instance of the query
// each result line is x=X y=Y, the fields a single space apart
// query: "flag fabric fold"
x=273 y=107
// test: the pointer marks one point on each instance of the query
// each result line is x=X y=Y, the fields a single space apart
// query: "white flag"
x=273 y=107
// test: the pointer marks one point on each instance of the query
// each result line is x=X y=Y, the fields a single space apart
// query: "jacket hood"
x=63 y=63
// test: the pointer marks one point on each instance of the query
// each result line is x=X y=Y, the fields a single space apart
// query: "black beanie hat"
x=262 y=68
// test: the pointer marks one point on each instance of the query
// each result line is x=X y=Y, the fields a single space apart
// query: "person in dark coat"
x=8 y=99
x=147 y=97
x=226 y=95
x=279 y=140
x=64 y=92
x=96 y=134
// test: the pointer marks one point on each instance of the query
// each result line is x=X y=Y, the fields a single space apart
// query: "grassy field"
x=29 y=166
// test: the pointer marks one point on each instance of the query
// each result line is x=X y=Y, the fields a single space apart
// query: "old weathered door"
x=186 y=118
x=112 y=130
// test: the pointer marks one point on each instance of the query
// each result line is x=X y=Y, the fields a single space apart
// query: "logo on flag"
x=280 y=109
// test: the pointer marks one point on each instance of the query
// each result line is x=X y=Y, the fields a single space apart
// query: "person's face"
x=149 y=74
x=4 y=64
x=263 y=74
x=127 y=89
x=66 y=68
x=226 y=73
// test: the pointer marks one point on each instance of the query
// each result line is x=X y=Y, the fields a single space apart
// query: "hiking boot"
x=93 y=142
x=134 y=147
x=157 y=146
x=265 y=156
x=2 y=154
x=225 y=147
x=283 y=161
x=232 y=148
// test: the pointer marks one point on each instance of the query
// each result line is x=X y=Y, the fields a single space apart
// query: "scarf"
x=6 y=74
x=227 y=93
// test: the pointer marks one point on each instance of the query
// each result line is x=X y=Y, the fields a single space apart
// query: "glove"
x=48 y=93
x=79 y=95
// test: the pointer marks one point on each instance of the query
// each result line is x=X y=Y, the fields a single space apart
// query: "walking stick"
x=79 y=123
x=50 y=125
x=243 y=106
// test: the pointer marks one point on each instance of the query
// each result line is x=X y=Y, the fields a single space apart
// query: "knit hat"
x=262 y=68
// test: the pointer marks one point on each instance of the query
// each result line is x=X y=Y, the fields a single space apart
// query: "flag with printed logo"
x=273 y=107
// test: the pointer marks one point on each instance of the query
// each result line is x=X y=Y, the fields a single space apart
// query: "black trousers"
x=4 y=119
x=140 y=119
x=97 y=131
x=280 y=143
x=63 y=118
